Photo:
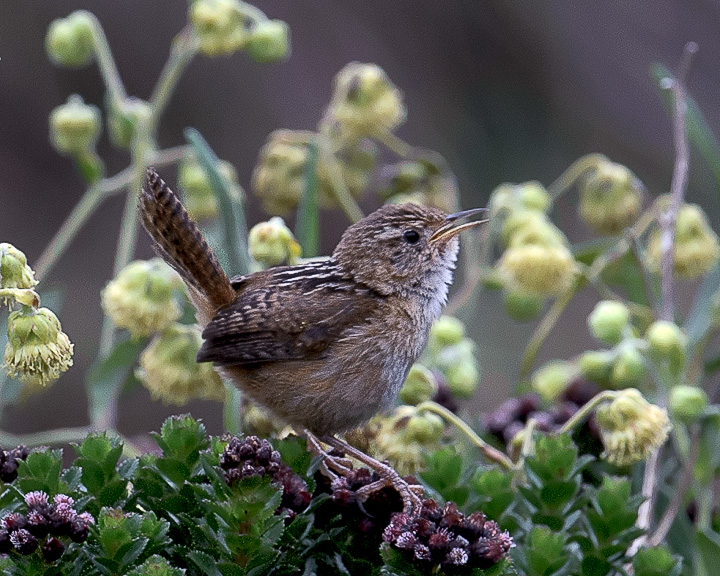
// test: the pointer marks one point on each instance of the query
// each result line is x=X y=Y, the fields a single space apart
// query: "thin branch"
x=678 y=185
x=681 y=489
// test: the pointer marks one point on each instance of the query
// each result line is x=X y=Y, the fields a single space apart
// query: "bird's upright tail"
x=177 y=239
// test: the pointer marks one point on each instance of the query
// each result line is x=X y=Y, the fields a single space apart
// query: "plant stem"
x=339 y=189
x=585 y=410
x=667 y=222
x=394 y=143
x=490 y=452
x=576 y=169
x=184 y=49
x=106 y=62
x=545 y=327
x=681 y=489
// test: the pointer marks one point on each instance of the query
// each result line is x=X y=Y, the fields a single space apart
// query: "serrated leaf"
x=41 y=471
x=128 y=553
x=204 y=562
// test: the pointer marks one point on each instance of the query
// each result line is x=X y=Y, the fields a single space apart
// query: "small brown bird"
x=327 y=344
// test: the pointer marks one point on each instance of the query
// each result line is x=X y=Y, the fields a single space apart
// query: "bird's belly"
x=322 y=395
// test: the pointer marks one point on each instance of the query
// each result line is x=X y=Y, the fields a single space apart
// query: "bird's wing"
x=295 y=313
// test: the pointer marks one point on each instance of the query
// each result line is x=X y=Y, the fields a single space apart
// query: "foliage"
x=606 y=462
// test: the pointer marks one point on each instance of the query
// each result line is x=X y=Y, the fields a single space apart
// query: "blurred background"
x=506 y=91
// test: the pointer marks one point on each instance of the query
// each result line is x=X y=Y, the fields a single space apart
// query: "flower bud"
x=696 y=249
x=533 y=196
x=463 y=378
x=426 y=428
x=424 y=180
x=169 y=371
x=141 y=299
x=70 y=41
x=221 y=26
x=609 y=320
x=445 y=331
x=269 y=42
x=14 y=270
x=37 y=351
x=666 y=340
x=631 y=428
x=530 y=227
x=629 y=368
x=610 y=198
x=687 y=403
x=420 y=386
x=198 y=195
x=272 y=243
x=124 y=118
x=521 y=306
x=538 y=270
x=257 y=421
x=553 y=378
x=75 y=126
x=597 y=365
x=365 y=102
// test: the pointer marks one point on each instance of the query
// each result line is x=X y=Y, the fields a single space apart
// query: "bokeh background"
x=507 y=91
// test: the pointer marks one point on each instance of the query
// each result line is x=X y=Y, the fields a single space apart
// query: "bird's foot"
x=331 y=466
x=410 y=493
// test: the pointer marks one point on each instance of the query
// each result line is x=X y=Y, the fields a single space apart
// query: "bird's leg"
x=330 y=465
x=411 y=501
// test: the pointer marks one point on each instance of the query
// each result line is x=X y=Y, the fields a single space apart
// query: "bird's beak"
x=456 y=223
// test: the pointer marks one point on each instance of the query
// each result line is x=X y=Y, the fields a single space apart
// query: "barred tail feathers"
x=177 y=239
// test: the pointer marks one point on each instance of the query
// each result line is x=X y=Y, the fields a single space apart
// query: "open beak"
x=456 y=223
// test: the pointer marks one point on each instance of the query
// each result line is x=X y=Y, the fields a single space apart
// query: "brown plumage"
x=327 y=344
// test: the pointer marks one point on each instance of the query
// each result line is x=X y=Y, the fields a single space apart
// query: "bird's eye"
x=411 y=236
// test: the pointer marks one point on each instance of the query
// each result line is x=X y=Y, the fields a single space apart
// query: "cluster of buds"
x=37 y=350
x=126 y=118
x=225 y=26
x=445 y=539
x=631 y=428
x=448 y=370
x=43 y=526
x=9 y=462
x=404 y=437
x=509 y=420
x=610 y=197
x=537 y=261
x=198 y=196
x=365 y=102
x=371 y=511
x=251 y=457
x=279 y=177
x=622 y=366
x=696 y=249
x=169 y=371
x=272 y=243
x=141 y=297
x=425 y=180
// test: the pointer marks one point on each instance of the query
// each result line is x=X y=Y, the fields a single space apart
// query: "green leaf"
x=443 y=474
x=107 y=375
x=232 y=408
x=230 y=201
x=659 y=562
x=41 y=471
x=307 y=229
x=699 y=321
x=698 y=130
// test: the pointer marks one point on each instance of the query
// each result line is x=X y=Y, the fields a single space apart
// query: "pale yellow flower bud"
x=37 y=351
x=610 y=198
x=271 y=243
x=14 y=270
x=631 y=428
x=141 y=297
x=537 y=269
x=169 y=371
x=221 y=26
x=198 y=195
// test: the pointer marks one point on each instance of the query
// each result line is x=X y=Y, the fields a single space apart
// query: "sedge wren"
x=327 y=344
